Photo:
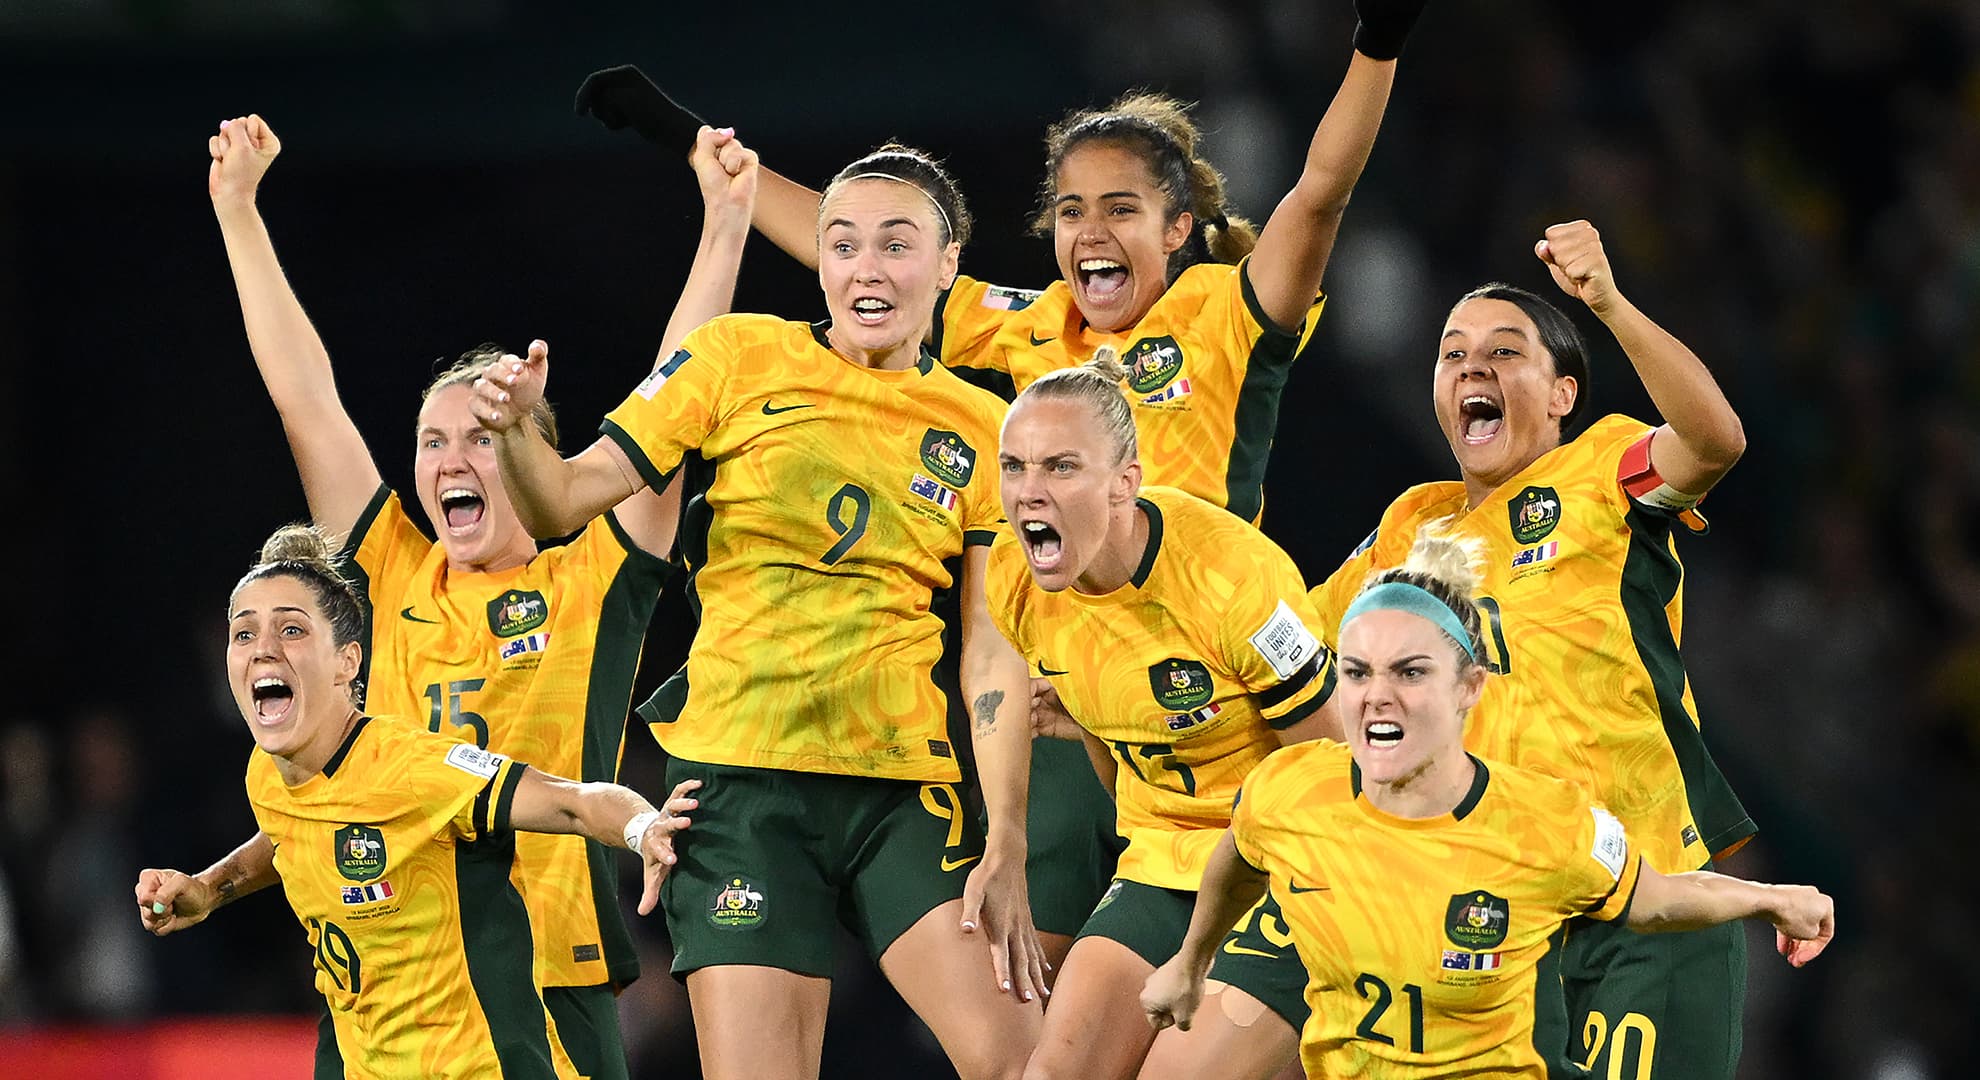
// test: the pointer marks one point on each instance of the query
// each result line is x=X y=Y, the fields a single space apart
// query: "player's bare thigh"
x=1095 y=1029
x=758 y=1023
x=946 y=978
x=1234 y=1037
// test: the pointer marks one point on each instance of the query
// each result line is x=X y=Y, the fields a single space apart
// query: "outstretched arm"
x=1230 y=886
x=169 y=901
x=727 y=172
x=997 y=687
x=1298 y=238
x=612 y=815
x=1804 y=918
x=1701 y=437
x=554 y=496
x=338 y=475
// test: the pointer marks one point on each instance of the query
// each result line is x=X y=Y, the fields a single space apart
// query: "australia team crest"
x=1181 y=685
x=1477 y=920
x=1153 y=363
x=738 y=905
x=360 y=852
x=948 y=457
x=517 y=612
x=1534 y=513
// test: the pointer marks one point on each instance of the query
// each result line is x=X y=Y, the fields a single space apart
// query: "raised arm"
x=338 y=475
x=554 y=496
x=1230 y=886
x=997 y=687
x=612 y=815
x=786 y=211
x=1298 y=238
x=169 y=901
x=1701 y=437
x=1804 y=918
x=727 y=172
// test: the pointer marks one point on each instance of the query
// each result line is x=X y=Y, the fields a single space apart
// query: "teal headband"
x=1402 y=596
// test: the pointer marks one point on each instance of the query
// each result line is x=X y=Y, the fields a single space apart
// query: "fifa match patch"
x=1179 y=388
x=1539 y=554
x=934 y=491
x=1459 y=960
x=367 y=894
x=528 y=643
x=1611 y=843
x=475 y=760
x=1003 y=298
x=658 y=377
x=1285 y=642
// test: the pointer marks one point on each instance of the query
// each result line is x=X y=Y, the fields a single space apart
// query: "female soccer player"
x=395 y=844
x=1583 y=605
x=1206 y=311
x=850 y=480
x=1178 y=635
x=531 y=654
x=1429 y=891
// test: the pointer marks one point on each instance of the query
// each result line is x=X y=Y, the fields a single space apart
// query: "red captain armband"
x=1641 y=483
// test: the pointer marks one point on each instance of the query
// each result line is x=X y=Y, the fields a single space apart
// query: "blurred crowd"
x=1791 y=186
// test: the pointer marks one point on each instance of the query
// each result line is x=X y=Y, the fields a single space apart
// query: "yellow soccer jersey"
x=536 y=663
x=1185 y=671
x=841 y=501
x=1432 y=947
x=1205 y=369
x=1581 y=595
x=396 y=860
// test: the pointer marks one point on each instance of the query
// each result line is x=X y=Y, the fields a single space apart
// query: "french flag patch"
x=1179 y=388
x=1459 y=960
x=1537 y=554
x=368 y=894
x=939 y=494
x=526 y=644
x=1185 y=721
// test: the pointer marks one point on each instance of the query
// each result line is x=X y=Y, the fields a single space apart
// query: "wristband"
x=636 y=828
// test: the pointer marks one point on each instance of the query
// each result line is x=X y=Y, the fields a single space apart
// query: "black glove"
x=1382 y=26
x=624 y=97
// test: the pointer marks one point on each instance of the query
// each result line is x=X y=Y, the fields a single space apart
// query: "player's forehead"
x=448 y=410
x=271 y=594
x=1384 y=635
x=1483 y=316
x=872 y=203
x=1100 y=168
x=1036 y=425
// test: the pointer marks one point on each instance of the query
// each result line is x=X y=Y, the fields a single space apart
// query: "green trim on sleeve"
x=1258 y=311
x=1309 y=706
x=1256 y=418
x=348 y=553
x=979 y=537
x=505 y=799
x=647 y=471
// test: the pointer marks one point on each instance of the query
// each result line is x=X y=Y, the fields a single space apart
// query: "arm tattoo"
x=228 y=885
x=986 y=711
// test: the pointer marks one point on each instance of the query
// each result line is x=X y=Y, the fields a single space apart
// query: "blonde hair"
x=1096 y=385
x=1158 y=129
x=1444 y=564
x=469 y=367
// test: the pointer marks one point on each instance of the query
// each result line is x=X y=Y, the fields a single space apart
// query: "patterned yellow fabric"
x=1205 y=369
x=1183 y=672
x=841 y=496
x=1431 y=946
x=1581 y=591
x=535 y=662
x=396 y=860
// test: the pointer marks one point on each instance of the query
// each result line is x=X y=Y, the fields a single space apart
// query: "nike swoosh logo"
x=410 y=617
x=772 y=410
x=1295 y=886
x=949 y=864
x=1036 y=340
x=1048 y=672
x=1235 y=949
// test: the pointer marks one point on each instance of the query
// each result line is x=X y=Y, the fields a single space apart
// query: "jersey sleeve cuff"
x=1251 y=304
x=500 y=794
x=647 y=471
x=1648 y=490
x=1321 y=673
x=348 y=553
x=979 y=537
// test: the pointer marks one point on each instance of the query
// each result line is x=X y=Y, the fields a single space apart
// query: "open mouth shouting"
x=1382 y=734
x=272 y=700
x=1042 y=546
x=871 y=310
x=1480 y=416
x=462 y=507
x=1103 y=280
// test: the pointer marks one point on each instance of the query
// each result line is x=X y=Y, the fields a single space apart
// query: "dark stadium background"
x=1791 y=187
